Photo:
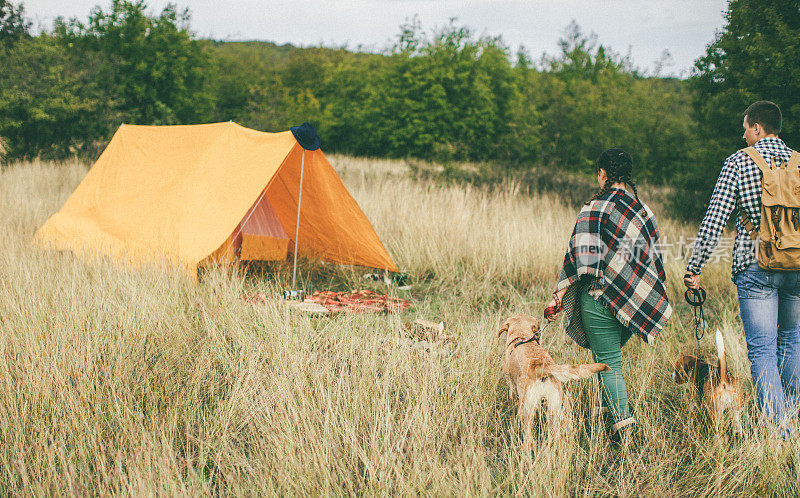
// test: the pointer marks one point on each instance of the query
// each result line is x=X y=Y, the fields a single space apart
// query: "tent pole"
x=297 y=226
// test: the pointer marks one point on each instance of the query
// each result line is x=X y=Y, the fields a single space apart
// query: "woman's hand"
x=552 y=305
x=555 y=306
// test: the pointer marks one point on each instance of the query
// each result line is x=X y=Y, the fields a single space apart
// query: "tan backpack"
x=779 y=233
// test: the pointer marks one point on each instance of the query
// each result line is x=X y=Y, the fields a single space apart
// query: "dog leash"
x=696 y=298
x=531 y=338
x=552 y=310
x=548 y=312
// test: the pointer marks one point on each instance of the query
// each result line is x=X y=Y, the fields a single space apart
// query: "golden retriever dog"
x=716 y=389
x=533 y=376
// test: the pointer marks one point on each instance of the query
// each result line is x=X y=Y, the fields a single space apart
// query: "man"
x=769 y=301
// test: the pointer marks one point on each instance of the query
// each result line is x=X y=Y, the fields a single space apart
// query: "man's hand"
x=691 y=281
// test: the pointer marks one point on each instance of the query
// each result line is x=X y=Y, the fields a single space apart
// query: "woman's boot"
x=624 y=432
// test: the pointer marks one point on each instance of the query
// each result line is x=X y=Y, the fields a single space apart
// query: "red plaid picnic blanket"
x=362 y=301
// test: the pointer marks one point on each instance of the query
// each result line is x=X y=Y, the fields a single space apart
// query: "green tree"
x=153 y=71
x=348 y=117
x=49 y=104
x=580 y=101
x=445 y=97
x=756 y=56
x=589 y=98
x=245 y=82
x=13 y=25
x=522 y=143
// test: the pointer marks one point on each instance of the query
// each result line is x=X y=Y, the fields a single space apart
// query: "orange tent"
x=213 y=192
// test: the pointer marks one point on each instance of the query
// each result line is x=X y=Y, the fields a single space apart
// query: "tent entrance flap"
x=258 y=248
x=263 y=236
x=258 y=237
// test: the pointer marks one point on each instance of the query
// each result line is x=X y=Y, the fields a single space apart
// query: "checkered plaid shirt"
x=614 y=249
x=738 y=186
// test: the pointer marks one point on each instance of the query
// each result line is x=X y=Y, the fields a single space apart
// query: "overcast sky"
x=646 y=27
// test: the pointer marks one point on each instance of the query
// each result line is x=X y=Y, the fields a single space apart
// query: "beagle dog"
x=716 y=389
x=533 y=376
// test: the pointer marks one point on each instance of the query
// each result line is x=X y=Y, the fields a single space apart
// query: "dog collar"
x=525 y=341
x=531 y=338
x=520 y=343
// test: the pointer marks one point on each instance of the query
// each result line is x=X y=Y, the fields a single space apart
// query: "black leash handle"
x=696 y=298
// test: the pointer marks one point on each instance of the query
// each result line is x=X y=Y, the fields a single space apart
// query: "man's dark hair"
x=765 y=113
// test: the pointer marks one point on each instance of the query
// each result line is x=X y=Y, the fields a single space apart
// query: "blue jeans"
x=769 y=305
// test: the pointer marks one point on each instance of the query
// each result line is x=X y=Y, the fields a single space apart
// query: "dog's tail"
x=723 y=363
x=563 y=373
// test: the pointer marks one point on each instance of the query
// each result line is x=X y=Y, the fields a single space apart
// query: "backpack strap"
x=763 y=166
x=757 y=158
x=748 y=225
x=777 y=163
x=794 y=160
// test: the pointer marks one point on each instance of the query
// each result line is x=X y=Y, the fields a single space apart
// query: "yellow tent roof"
x=182 y=192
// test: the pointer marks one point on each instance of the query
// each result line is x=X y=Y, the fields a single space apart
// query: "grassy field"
x=143 y=382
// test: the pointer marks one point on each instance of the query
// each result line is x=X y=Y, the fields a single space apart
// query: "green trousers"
x=606 y=337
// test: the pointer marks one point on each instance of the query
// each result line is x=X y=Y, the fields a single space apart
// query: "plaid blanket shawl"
x=614 y=250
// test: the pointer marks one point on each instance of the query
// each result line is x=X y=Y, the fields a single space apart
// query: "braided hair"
x=618 y=166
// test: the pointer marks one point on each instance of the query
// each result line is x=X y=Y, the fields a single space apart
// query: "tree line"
x=445 y=95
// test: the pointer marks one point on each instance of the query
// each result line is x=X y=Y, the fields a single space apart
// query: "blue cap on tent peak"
x=306 y=136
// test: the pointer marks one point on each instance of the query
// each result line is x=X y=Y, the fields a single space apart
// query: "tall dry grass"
x=143 y=382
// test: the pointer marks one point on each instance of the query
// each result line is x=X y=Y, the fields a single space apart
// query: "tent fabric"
x=183 y=192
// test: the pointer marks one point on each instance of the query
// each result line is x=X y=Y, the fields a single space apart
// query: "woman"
x=612 y=283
